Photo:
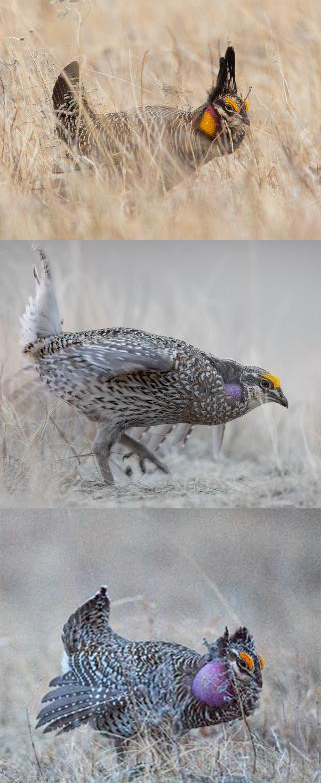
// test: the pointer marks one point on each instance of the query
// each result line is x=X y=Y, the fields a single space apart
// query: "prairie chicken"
x=122 y=378
x=176 y=141
x=121 y=687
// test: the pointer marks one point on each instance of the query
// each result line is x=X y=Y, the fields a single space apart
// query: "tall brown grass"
x=164 y=53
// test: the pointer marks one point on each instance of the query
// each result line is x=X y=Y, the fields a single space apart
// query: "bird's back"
x=97 y=654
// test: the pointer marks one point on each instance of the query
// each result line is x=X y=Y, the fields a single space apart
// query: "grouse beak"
x=246 y=121
x=276 y=395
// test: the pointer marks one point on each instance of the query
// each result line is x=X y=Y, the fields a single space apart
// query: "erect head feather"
x=225 y=82
x=242 y=636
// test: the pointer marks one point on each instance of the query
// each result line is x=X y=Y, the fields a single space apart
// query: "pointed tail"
x=41 y=317
x=90 y=622
x=71 y=704
x=70 y=105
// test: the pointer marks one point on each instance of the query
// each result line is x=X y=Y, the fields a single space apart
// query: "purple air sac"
x=212 y=686
x=234 y=391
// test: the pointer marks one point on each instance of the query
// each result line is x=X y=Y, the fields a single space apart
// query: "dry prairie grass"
x=163 y=53
x=261 y=308
x=176 y=576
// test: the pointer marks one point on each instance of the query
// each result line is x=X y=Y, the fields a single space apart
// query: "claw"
x=143 y=454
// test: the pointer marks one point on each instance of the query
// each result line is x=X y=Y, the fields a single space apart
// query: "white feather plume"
x=41 y=317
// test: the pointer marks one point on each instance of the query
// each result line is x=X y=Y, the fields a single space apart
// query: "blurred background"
x=175 y=575
x=256 y=302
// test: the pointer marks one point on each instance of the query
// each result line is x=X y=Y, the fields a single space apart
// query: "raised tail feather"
x=90 y=623
x=70 y=104
x=41 y=317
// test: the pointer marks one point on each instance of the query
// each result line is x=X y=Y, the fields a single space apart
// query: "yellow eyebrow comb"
x=274 y=378
x=232 y=102
x=247 y=659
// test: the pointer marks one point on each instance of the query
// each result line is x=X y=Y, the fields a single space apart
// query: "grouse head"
x=232 y=674
x=261 y=386
x=225 y=115
x=246 y=386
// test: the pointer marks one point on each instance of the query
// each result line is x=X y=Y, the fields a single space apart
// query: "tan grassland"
x=162 y=53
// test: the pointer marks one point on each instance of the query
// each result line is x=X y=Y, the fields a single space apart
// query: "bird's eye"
x=231 y=105
x=273 y=380
x=246 y=661
x=265 y=384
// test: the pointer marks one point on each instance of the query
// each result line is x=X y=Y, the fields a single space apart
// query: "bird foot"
x=143 y=453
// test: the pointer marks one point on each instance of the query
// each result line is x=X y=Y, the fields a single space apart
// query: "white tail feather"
x=41 y=317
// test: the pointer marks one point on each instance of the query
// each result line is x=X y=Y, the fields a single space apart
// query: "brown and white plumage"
x=121 y=378
x=42 y=318
x=123 y=687
x=175 y=141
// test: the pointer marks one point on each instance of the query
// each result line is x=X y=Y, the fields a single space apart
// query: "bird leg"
x=106 y=436
x=142 y=452
x=101 y=448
